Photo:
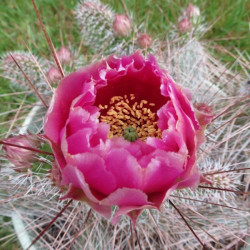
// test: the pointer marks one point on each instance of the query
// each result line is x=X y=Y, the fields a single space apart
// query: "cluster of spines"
x=30 y=65
x=95 y=21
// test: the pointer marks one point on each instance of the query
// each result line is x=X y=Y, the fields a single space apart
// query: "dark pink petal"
x=138 y=78
x=158 y=197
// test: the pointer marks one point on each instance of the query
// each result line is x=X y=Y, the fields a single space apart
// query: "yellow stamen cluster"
x=124 y=111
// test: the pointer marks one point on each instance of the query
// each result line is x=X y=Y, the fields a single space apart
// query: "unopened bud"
x=121 y=26
x=144 y=40
x=19 y=57
x=21 y=158
x=64 y=55
x=184 y=25
x=204 y=113
x=89 y=5
x=53 y=75
x=192 y=11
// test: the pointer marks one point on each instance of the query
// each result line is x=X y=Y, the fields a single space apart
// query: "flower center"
x=130 y=134
x=124 y=113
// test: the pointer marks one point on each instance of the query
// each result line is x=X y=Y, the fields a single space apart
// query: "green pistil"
x=130 y=134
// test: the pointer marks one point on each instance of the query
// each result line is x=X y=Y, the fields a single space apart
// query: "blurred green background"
x=19 y=23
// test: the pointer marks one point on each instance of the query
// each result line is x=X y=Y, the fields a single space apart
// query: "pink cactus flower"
x=123 y=134
x=144 y=40
x=121 y=26
x=54 y=75
x=21 y=158
x=184 y=25
x=64 y=55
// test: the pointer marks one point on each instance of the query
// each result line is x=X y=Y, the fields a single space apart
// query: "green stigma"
x=130 y=134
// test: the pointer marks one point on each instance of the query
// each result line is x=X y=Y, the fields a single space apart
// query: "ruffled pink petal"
x=95 y=174
x=124 y=167
x=163 y=171
x=131 y=211
x=191 y=181
x=128 y=200
x=79 y=142
x=167 y=116
x=171 y=142
x=71 y=175
x=79 y=118
x=138 y=149
x=126 y=197
x=181 y=102
x=136 y=74
x=87 y=97
x=101 y=134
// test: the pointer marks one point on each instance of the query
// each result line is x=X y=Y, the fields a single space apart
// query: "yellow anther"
x=123 y=112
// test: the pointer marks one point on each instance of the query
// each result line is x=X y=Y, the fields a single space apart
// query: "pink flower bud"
x=17 y=56
x=20 y=157
x=184 y=25
x=192 y=11
x=144 y=40
x=121 y=25
x=89 y=5
x=64 y=55
x=53 y=75
x=204 y=113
